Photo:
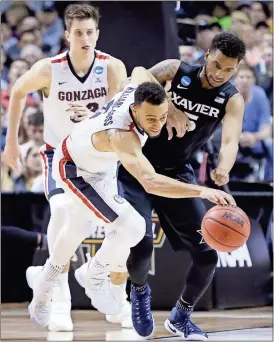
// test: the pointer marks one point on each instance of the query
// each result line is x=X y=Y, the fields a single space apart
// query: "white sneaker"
x=124 y=317
x=94 y=278
x=40 y=306
x=60 y=315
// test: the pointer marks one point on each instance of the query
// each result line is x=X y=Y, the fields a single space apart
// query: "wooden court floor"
x=228 y=325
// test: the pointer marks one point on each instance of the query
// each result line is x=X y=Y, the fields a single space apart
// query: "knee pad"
x=133 y=228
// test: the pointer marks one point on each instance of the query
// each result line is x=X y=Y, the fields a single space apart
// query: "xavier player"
x=74 y=84
x=204 y=97
x=84 y=165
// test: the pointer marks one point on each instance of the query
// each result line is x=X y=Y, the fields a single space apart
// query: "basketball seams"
x=231 y=210
x=223 y=224
x=221 y=243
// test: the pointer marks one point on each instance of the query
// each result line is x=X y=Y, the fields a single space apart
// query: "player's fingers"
x=230 y=200
x=169 y=131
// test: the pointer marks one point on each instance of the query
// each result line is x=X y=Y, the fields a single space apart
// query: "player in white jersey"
x=74 y=84
x=84 y=165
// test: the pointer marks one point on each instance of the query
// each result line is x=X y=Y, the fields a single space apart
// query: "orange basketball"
x=225 y=228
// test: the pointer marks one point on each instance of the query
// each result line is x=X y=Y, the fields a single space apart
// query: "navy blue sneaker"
x=179 y=324
x=142 y=318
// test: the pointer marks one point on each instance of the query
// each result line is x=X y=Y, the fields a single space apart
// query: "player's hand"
x=218 y=197
x=219 y=176
x=11 y=154
x=79 y=112
x=178 y=120
x=247 y=139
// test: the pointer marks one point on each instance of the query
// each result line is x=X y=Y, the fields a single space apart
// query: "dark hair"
x=32 y=31
x=243 y=6
x=229 y=45
x=265 y=8
x=20 y=60
x=149 y=92
x=81 y=12
x=261 y=24
x=244 y=66
x=36 y=119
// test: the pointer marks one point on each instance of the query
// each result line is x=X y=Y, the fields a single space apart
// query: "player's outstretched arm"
x=38 y=77
x=117 y=73
x=128 y=149
x=231 y=131
x=165 y=70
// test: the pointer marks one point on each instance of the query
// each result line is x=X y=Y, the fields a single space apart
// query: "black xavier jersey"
x=205 y=109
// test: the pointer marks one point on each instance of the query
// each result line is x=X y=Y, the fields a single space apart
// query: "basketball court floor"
x=228 y=325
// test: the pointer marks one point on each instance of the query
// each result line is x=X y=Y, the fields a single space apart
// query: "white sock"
x=119 y=292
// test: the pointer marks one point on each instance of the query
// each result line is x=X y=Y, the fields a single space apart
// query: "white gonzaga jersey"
x=116 y=114
x=67 y=87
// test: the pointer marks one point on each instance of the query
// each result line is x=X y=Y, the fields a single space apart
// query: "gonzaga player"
x=74 y=84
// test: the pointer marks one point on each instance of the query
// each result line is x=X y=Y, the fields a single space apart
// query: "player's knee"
x=134 y=229
x=57 y=205
x=207 y=259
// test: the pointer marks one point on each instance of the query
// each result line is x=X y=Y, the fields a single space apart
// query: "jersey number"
x=93 y=106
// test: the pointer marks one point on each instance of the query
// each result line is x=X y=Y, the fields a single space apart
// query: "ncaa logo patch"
x=98 y=70
x=118 y=199
x=185 y=81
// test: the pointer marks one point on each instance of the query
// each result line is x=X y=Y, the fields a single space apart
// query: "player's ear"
x=97 y=34
x=206 y=55
x=67 y=35
x=133 y=108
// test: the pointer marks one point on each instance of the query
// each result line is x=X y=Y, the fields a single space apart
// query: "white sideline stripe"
x=223 y=315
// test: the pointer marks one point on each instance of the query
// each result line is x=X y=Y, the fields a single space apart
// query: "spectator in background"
x=238 y=20
x=244 y=7
x=31 y=177
x=35 y=129
x=26 y=37
x=31 y=53
x=259 y=12
x=266 y=80
x=4 y=70
x=7 y=40
x=204 y=37
x=6 y=180
x=267 y=39
x=3 y=127
x=52 y=27
x=252 y=42
x=221 y=14
x=257 y=117
x=28 y=23
x=187 y=53
x=17 y=69
x=15 y=14
x=261 y=28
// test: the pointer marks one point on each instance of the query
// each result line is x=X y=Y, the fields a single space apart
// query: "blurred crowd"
x=31 y=30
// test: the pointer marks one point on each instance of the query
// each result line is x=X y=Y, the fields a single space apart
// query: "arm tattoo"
x=165 y=70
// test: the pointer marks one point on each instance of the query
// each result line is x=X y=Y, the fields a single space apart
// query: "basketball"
x=225 y=229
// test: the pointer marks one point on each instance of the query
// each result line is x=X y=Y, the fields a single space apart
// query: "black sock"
x=184 y=305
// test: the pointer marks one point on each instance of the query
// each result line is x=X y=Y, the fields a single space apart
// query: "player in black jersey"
x=202 y=97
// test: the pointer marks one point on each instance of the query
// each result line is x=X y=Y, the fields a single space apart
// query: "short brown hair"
x=81 y=12
x=245 y=67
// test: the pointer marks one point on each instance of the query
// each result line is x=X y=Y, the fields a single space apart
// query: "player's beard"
x=206 y=76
